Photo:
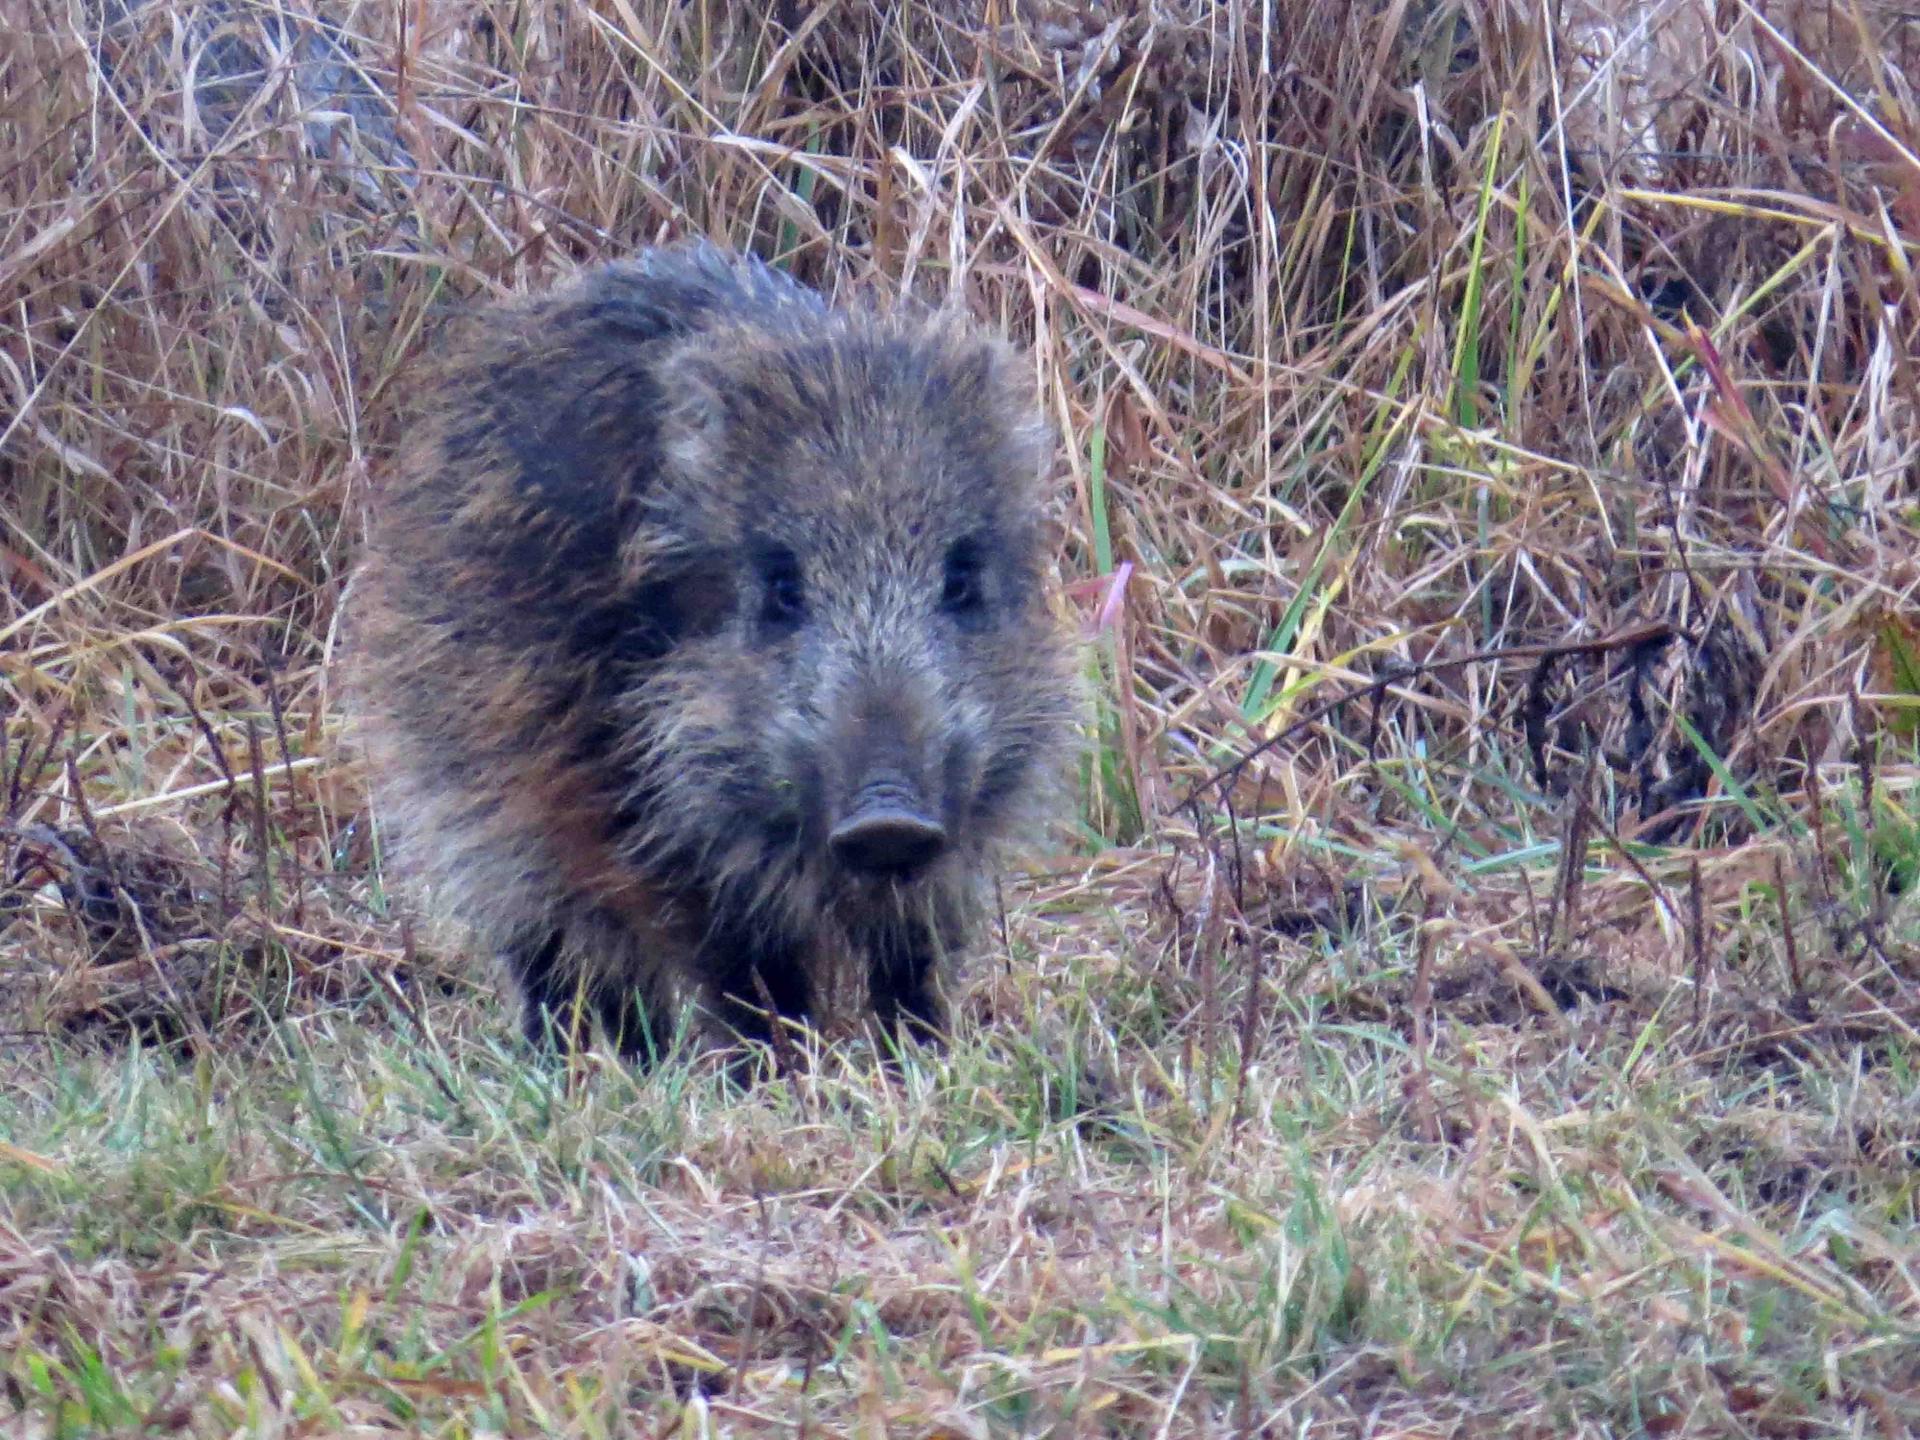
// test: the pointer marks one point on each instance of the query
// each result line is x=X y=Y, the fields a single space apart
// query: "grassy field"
x=1479 y=991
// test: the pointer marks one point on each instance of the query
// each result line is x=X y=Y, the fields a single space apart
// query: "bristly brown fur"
x=681 y=574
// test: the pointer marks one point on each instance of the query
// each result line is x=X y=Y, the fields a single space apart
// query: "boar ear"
x=983 y=376
x=695 y=412
x=1010 y=389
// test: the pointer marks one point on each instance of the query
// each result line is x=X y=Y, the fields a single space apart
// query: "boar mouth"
x=887 y=834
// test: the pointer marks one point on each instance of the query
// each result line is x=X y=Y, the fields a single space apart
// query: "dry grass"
x=1526 y=1047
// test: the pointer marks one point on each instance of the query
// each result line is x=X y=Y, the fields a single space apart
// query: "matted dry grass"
x=1524 y=1045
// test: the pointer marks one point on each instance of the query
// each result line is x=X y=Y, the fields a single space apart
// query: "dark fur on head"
x=701 y=646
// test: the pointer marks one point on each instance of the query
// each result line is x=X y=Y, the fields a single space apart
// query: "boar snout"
x=888 y=822
x=887 y=832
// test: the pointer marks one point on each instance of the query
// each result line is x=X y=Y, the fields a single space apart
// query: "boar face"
x=864 y=686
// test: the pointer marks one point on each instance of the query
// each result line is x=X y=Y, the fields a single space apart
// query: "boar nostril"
x=887 y=840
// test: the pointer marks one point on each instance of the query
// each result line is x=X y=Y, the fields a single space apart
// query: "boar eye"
x=783 y=594
x=962 y=594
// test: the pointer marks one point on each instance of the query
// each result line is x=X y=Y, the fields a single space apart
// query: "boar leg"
x=632 y=1023
x=775 y=964
x=901 y=986
x=547 y=1013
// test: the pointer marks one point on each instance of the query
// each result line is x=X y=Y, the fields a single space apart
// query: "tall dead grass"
x=1379 y=338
